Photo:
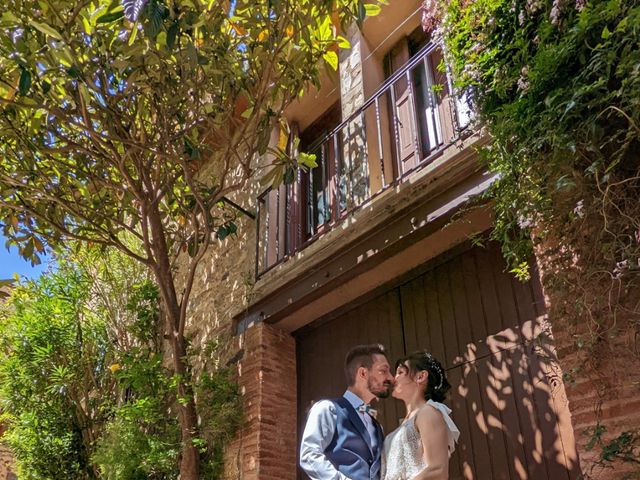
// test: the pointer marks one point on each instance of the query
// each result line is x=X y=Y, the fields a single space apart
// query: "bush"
x=140 y=443
x=53 y=384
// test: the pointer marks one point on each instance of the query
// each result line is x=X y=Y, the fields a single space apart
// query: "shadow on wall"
x=513 y=405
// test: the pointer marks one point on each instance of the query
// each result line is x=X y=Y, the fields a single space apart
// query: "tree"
x=83 y=389
x=106 y=125
x=55 y=385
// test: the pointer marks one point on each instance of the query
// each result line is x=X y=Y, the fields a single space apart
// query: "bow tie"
x=366 y=408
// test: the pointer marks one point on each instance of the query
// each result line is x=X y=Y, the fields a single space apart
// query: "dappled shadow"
x=508 y=396
x=490 y=332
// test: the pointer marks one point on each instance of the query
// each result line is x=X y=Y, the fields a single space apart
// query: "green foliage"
x=141 y=440
x=104 y=122
x=623 y=447
x=82 y=385
x=128 y=452
x=557 y=86
x=131 y=135
x=143 y=304
x=220 y=408
x=54 y=383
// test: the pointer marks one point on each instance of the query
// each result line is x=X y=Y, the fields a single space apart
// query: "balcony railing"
x=402 y=127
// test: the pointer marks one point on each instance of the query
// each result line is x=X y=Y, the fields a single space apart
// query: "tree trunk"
x=190 y=461
x=187 y=415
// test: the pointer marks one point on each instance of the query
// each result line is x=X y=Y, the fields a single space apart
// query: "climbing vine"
x=556 y=85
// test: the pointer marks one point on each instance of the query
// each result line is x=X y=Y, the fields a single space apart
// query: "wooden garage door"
x=489 y=331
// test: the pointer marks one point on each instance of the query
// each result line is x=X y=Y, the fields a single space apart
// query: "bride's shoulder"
x=431 y=415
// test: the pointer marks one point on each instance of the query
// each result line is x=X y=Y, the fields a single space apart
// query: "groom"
x=342 y=440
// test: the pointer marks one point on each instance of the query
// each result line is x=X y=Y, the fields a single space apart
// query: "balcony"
x=406 y=124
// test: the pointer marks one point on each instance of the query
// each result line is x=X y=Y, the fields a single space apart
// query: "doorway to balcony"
x=421 y=104
x=402 y=127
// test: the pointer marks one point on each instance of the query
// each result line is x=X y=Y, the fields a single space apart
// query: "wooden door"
x=403 y=111
x=442 y=98
x=490 y=332
x=319 y=186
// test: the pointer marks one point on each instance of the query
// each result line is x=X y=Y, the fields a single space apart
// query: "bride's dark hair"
x=437 y=384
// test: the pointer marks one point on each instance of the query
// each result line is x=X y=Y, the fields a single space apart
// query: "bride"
x=420 y=448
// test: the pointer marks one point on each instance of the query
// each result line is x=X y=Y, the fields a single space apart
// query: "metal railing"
x=401 y=128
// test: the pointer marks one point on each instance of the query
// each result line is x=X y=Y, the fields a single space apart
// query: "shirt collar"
x=353 y=399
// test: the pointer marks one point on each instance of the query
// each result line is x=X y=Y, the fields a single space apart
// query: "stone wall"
x=222 y=285
x=354 y=140
x=6 y=460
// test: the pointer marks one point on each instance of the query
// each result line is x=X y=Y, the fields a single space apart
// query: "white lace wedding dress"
x=402 y=457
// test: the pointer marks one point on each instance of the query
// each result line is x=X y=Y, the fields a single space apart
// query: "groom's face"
x=380 y=381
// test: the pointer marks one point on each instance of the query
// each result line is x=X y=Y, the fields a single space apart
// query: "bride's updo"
x=437 y=384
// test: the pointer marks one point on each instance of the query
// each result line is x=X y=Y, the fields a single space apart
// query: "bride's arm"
x=434 y=437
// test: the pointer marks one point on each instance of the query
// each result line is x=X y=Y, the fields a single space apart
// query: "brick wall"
x=265 y=449
x=6 y=464
x=602 y=372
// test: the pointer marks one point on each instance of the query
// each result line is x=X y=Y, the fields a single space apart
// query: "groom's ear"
x=362 y=372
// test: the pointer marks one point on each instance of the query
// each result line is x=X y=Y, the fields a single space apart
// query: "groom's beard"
x=382 y=392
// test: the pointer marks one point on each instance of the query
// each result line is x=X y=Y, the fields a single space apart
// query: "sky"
x=11 y=262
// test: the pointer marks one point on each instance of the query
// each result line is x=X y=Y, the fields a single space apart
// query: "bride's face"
x=404 y=384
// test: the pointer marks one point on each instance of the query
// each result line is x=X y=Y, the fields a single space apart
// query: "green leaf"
x=263 y=142
x=622 y=25
x=372 y=10
x=331 y=58
x=222 y=233
x=88 y=29
x=270 y=177
x=134 y=33
x=172 y=34
x=9 y=17
x=46 y=29
x=25 y=82
x=289 y=176
x=343 y=42
x=307 y=160
x=110 y=17
x=606 y=33
x=74 y=72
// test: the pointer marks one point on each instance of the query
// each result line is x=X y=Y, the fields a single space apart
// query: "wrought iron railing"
x=403 y=126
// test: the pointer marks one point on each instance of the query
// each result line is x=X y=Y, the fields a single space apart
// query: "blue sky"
x=11 y=262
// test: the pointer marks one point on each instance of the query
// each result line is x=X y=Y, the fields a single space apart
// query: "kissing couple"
x=343 y=441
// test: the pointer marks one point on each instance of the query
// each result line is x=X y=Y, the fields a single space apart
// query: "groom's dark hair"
x=360 y=356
